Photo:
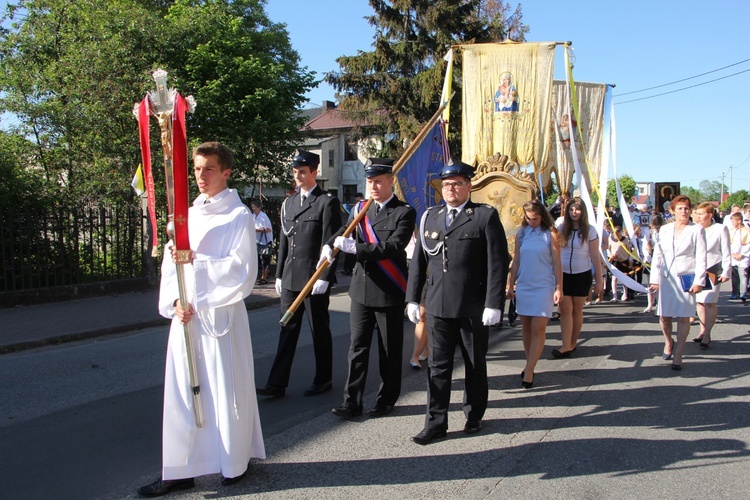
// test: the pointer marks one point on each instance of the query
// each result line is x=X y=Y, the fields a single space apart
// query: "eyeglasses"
x=452 y=184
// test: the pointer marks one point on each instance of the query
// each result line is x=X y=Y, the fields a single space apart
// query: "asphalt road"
x=83 y=420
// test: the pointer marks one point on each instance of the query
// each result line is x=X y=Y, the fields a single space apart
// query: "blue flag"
x=419 y=177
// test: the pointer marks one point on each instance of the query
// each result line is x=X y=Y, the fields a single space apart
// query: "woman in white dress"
x=680 y=251
x=535 y=280
x=719 y=262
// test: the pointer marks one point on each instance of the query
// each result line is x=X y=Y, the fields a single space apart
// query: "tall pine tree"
x=396 y=87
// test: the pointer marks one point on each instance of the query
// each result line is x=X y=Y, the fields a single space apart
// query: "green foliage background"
x=72 y=70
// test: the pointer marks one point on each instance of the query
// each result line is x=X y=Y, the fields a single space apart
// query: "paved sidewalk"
x=32 y=326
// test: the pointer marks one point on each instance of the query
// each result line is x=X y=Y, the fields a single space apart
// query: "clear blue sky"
x=687 y=136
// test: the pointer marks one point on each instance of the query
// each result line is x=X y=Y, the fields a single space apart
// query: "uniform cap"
x=378 y=166
x=457 y=168
x=305 y=159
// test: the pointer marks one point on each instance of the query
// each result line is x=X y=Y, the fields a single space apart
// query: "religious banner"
x=664 y=193
x=566 y=132
x=420 y=174
x=507 y=91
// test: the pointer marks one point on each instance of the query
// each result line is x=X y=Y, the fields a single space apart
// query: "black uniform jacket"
x=304 y=230
x=469 y=271
x=394 y=226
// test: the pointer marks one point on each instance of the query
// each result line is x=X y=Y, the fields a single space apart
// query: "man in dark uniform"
x=377 y=289
x=308 y=219
x=464 y=246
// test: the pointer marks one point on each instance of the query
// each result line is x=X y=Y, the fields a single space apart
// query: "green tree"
x=628 y=187
x=695 y=195
x=711 y=190
x=737 y=198
x=72 y=69
x=396 y=87
x=245 y=77
x=20 y=187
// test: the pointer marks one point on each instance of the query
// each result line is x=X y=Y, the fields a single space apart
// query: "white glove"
x=326 y=253
x=320 y=287
x=346 y=245
x=412 y=310
x=491 y=316
x=278 y=286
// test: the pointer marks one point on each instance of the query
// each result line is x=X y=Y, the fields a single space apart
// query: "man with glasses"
x=464 y=246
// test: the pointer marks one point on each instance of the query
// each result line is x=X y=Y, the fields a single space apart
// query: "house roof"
x=330 y=119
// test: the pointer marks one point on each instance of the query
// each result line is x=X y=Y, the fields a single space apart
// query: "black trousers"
x=444 y=334
x=317 y=311
x=390 y=326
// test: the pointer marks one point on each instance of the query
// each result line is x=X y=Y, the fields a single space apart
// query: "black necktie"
x=452 y=216
x=304 y=197
x=207 y=201
x=377 y=209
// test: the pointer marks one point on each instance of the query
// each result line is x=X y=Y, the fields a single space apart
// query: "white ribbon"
x=609 y=142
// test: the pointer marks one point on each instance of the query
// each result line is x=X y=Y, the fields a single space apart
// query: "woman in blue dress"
x=535 y=281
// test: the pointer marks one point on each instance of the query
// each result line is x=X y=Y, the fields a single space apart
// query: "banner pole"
x=408 y=152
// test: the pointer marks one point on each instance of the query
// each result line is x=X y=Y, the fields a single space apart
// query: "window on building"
x=350 y=153
x=349 y=191
x=330 y=158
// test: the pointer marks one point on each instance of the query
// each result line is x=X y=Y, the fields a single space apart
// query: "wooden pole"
x=407 y=154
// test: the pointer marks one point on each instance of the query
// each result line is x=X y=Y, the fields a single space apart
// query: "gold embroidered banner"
x=507 y=90
x=564 y=133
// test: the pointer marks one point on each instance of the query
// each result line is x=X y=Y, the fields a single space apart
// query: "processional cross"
x=169 y=108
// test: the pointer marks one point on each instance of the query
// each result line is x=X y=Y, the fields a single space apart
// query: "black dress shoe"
x=380 y=410
x=428 y=435
x=228 y=481
x=270 y=390
x=473 y=426
x=557 y=354
x=345 y=411
x=160 y=487
x=314 y=390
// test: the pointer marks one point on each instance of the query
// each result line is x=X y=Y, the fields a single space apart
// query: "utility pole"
x=721 y=199
x=730 y=180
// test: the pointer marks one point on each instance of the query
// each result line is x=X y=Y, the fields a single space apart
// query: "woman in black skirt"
x=579 y=245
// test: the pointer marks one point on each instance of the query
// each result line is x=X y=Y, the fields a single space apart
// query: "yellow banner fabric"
x=591 y=124
x=507 y=90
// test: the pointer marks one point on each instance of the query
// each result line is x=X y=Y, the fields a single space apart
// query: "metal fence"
x=71 y=245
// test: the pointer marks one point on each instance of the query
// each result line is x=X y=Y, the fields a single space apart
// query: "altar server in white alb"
x=224 y=254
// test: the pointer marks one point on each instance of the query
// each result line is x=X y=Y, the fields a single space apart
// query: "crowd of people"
x=450 y=272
